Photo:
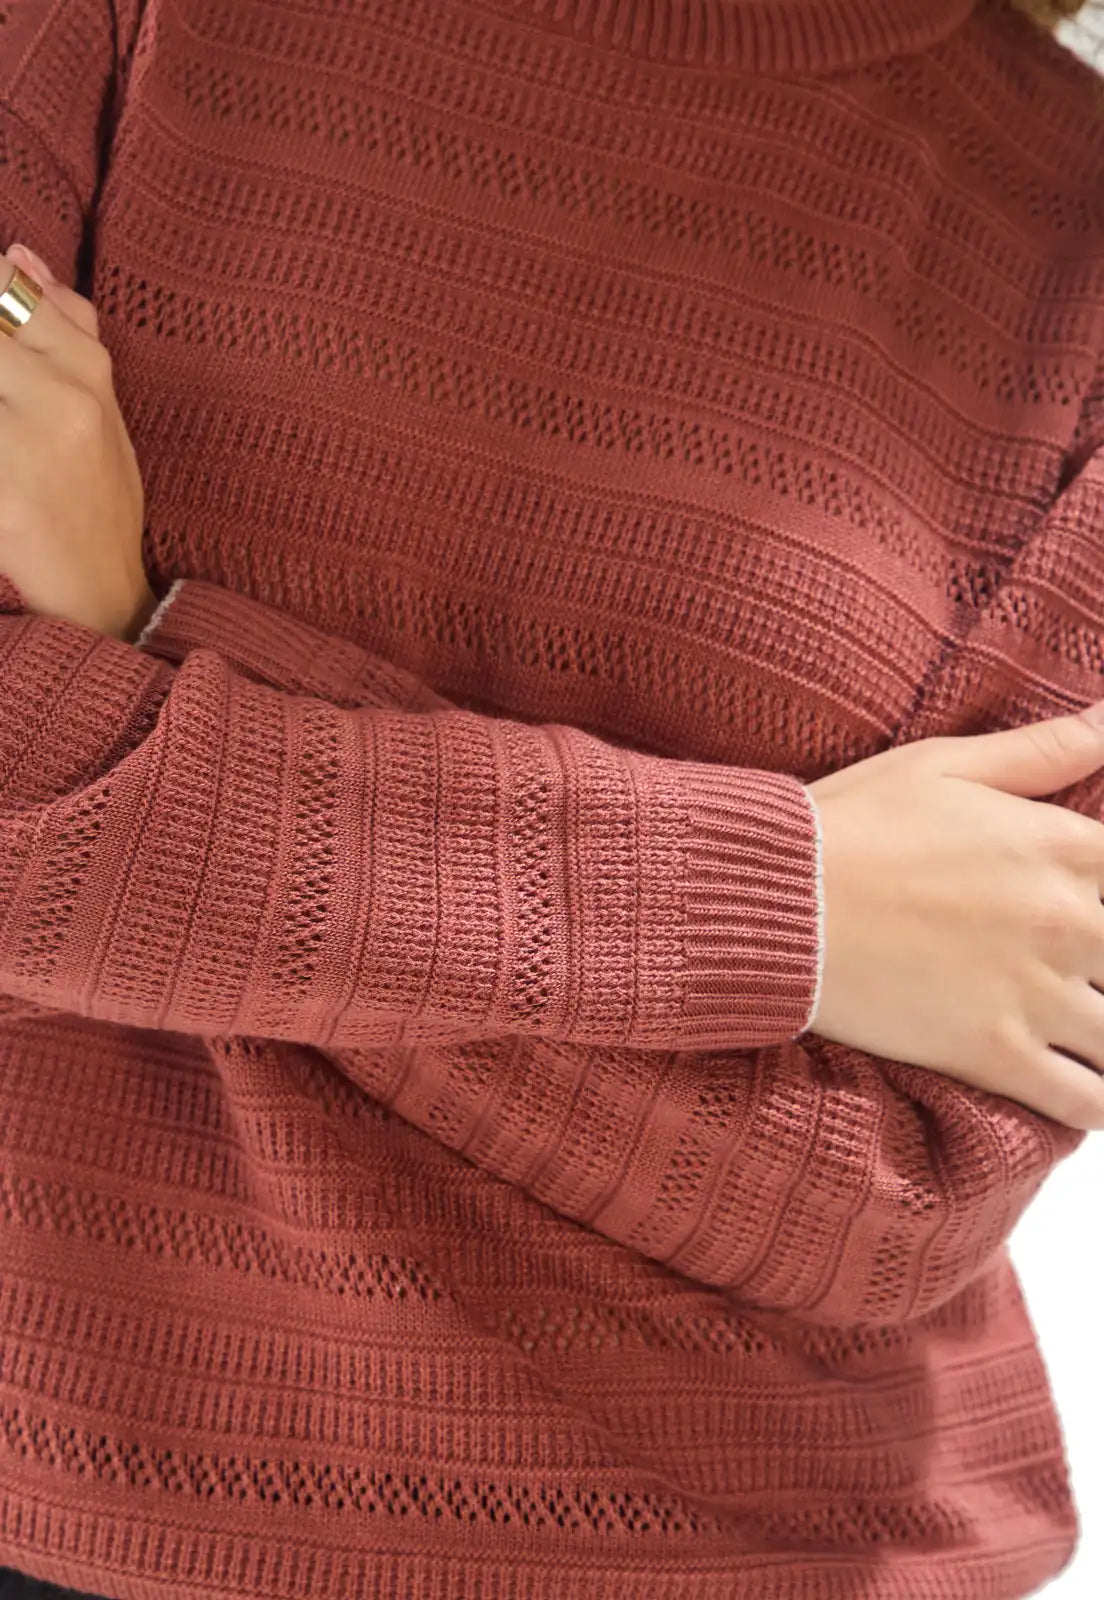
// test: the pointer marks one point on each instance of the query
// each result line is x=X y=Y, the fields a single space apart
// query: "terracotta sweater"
x=576 y=426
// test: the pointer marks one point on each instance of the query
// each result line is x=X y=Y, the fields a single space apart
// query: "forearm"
x=348 y=875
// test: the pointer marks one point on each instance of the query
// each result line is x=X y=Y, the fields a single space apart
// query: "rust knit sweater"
x=569 y=427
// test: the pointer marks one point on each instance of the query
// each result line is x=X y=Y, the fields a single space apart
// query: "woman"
x=537 y=983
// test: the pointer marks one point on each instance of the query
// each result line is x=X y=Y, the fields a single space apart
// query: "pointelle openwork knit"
x=569 y=428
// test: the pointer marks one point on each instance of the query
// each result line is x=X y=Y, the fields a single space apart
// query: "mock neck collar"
x=799 y=36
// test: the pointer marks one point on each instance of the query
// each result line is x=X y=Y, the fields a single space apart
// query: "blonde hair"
x=1077 y=24
x=1050 y=12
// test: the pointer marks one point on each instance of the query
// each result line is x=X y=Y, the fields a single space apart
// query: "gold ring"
x=18 y=301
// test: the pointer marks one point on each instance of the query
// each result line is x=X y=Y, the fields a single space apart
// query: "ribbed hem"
x=753 y=940
x=806 y=36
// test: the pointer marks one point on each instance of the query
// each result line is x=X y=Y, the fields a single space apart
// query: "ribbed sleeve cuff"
x=160 y=616
x=269 y=646
x=750 y=905
x=753 y=919
x=266 y=644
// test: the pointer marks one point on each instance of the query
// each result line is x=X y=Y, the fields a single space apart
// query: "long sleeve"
x=188 y=848
x=803 y=1177
x=247 y=828
x=584 y=969
x=62 y=73
x=184 y=866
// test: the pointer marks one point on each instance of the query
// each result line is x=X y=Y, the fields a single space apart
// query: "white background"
x=1086 y=34
x=1057 y=1252
x=1060 y=1248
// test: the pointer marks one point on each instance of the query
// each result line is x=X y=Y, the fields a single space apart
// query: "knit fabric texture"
x=569 y=428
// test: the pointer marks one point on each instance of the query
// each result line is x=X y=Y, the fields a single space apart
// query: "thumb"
x=1036 y=759
x=74 y=305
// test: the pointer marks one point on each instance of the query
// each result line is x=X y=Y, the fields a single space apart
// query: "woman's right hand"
x=964 y=929
x=71 y=501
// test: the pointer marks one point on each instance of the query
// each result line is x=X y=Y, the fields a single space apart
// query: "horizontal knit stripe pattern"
x=565 y=888
x=568 y=431
x=807 y=36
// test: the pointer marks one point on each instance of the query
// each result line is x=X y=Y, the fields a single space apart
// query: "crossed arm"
x=241 y=826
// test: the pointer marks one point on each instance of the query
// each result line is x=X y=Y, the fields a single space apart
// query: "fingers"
x=1073 y=838
x=72 y=305
x=1067 y=1090
x=1080 y=1028
x=62 y=327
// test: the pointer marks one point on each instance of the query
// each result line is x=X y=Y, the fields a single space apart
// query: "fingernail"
x=32 y=262
x=1095 y=714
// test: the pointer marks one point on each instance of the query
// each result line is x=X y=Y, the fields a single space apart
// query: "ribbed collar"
x=806 y=36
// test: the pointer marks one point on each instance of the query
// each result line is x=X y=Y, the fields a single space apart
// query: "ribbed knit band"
x=753 y=952
x=272 y=647
x=159 y=615
x=808 y=36
x=10 y=598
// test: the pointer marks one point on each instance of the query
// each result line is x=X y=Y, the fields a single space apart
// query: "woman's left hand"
x=71 y=500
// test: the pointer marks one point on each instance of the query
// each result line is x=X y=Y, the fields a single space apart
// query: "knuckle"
x=1087 y=925
x=999 y=1052
x=933 y=748
x=920 y=755
x=81 y=410
x=1079 y=1105
x=99 y=363
x=1073 y=837
x=1053 y=739
x=1049 y=826
x=1061 y=914
x=79 y=309
x=1041 y=840
x=1003 y=1040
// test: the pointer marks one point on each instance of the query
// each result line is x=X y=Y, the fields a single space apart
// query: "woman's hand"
x=71 y=501
x=964 y=929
